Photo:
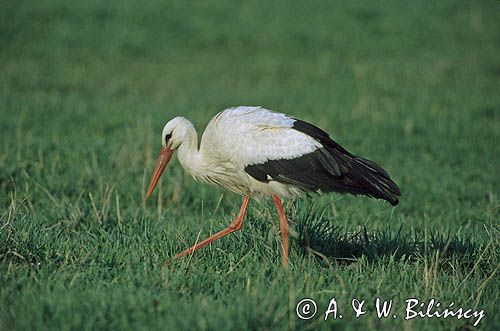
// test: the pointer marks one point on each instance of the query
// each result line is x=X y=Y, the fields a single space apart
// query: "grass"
x=86 y=87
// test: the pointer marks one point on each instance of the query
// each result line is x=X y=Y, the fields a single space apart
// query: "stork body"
x=255 y=152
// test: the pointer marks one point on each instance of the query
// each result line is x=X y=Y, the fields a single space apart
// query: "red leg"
x=234 y=226
x=283 y=228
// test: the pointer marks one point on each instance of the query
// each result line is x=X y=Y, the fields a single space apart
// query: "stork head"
x=173 y=134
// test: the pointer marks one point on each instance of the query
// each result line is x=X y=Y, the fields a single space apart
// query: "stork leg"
x=234 y=226
x=283 y=228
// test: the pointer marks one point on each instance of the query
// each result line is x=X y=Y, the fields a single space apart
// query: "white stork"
x=255 y=152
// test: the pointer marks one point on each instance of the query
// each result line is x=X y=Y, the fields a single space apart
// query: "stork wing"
x=273 y=146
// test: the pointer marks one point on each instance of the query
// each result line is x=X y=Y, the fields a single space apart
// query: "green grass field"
x=86 y=88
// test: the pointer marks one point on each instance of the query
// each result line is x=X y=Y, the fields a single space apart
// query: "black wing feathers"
x=308 y=171
x=331 y=168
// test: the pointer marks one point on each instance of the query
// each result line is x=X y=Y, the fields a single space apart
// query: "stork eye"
x=167 y=138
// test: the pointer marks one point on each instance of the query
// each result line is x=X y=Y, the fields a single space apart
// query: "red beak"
x=163 y=158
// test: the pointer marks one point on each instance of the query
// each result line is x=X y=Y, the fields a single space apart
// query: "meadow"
x=86 y=88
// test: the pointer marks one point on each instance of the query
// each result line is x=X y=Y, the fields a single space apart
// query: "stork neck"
x=188 y=152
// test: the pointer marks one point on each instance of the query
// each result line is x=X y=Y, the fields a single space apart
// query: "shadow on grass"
x=316 y=235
